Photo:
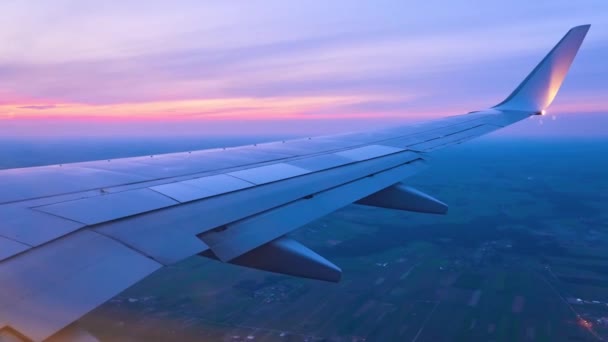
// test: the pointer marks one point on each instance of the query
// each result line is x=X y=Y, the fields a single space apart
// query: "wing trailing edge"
x=539 y=88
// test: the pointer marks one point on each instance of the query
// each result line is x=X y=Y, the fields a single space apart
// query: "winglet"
x=538 y=90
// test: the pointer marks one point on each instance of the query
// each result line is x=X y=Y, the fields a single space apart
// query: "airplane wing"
x=73 y=236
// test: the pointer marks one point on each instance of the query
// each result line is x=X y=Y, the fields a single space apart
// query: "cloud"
x=334 y=63
x=38 y=107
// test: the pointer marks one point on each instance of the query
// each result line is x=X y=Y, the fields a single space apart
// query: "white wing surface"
x=73 y=236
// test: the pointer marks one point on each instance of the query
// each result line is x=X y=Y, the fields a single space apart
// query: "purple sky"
x=285 y=67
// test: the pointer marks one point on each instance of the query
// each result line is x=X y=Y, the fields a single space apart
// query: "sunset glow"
x=189 y=62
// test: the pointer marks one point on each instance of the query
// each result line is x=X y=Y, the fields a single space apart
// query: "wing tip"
x=581 y=27
x=537 y=91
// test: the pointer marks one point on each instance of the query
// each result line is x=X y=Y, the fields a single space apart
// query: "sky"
x=139 y=68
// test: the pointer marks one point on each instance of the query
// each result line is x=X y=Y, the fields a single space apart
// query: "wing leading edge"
x=69 y=247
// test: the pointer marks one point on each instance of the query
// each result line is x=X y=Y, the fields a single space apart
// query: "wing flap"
x=49 y=287
x=243 y=236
